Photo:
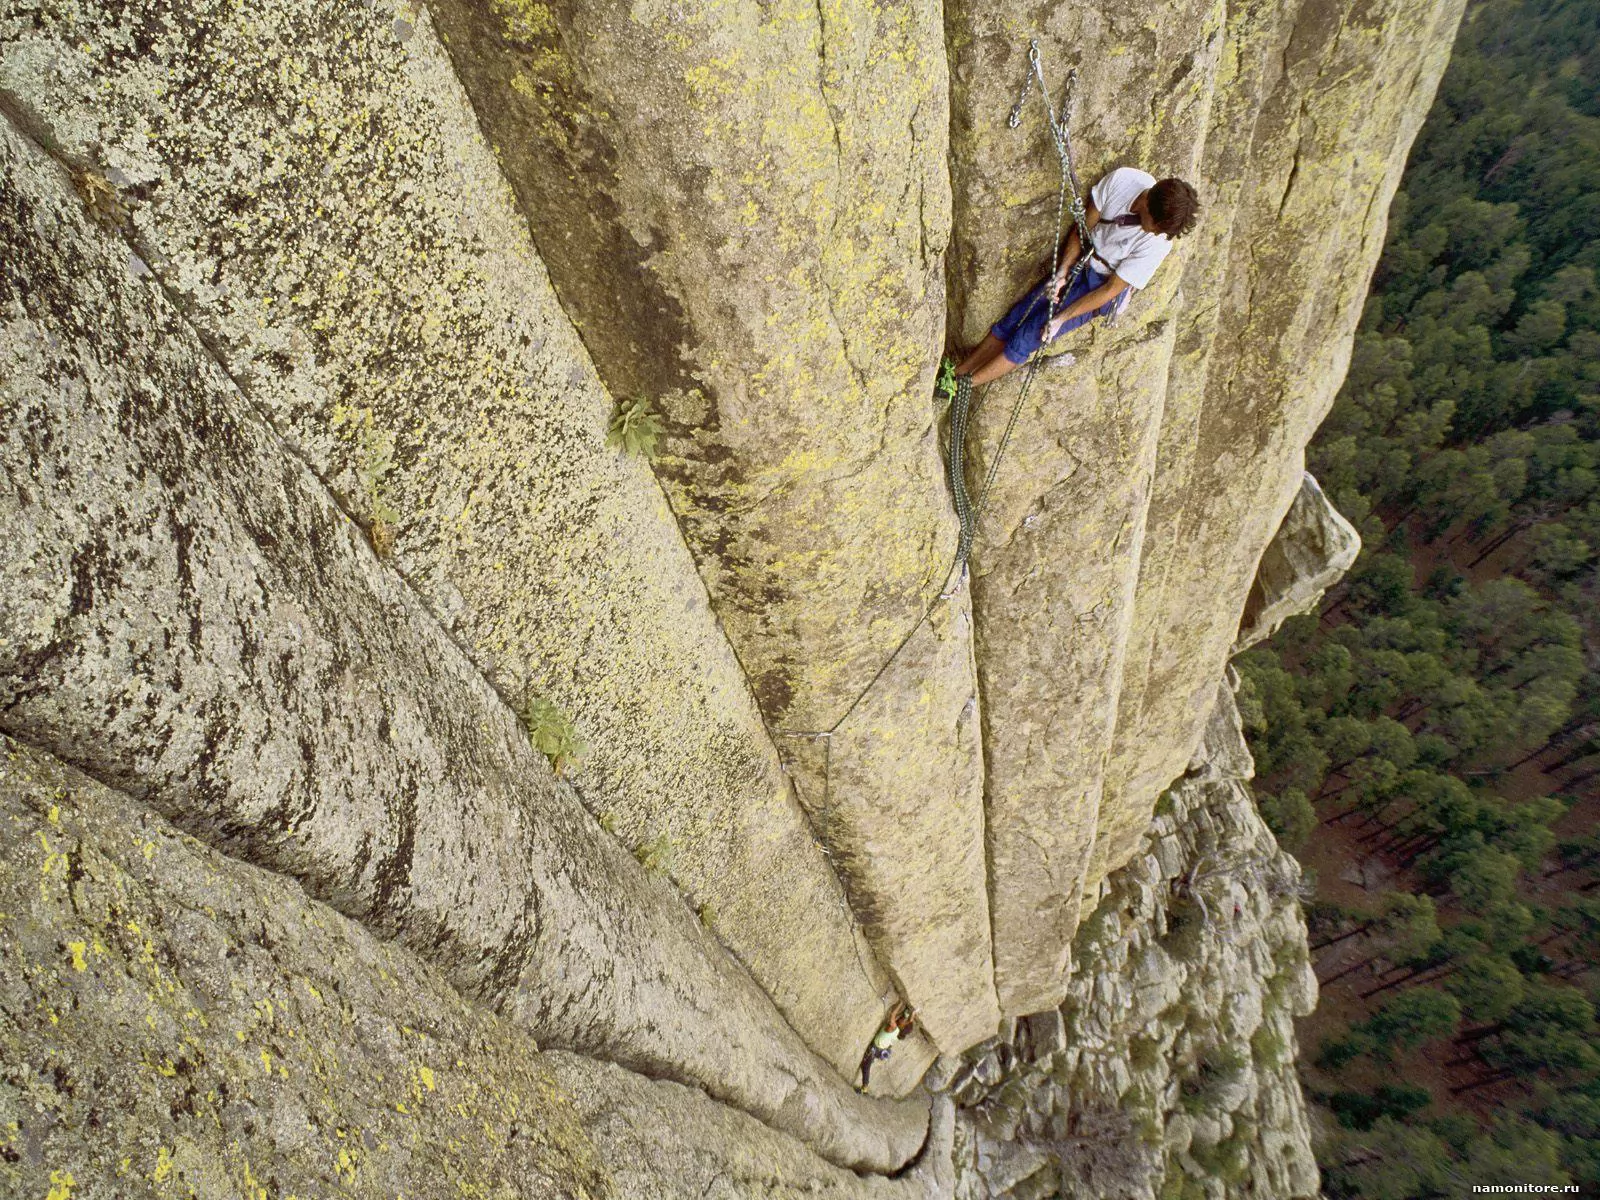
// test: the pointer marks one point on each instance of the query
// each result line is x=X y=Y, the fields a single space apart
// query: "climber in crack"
x=1132 y=222
x=896 y=1026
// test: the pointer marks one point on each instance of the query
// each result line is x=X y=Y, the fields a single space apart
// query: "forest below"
x=1429 y=744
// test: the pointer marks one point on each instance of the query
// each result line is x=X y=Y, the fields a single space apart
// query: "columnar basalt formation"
x=312 y=321
x=1147 y=477
x=1169 y=1070
x=748 y=224
x=178 y=1022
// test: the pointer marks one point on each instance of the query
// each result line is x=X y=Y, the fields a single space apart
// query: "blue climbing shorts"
x=1022 y=329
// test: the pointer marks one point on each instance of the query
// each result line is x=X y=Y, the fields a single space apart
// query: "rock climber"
x=897 y=1025
x=1132 y=221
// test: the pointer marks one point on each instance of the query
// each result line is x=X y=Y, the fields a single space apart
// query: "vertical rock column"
x=1059 y=543
x=309 y=184
x=187 y=616
x=744 y=206
x=1316 y=110
x=1147 y=478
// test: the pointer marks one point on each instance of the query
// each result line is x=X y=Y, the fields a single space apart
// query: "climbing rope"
x=967 y=511
x=1069 y=202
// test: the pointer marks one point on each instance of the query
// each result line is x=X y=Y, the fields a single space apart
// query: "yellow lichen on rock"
x=347 y=245
x=1146 y=479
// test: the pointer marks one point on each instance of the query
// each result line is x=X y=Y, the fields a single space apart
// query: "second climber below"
x=1132 y=221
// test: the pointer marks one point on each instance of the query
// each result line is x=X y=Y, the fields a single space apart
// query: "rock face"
x=312 y=321
x=785 y=316
x=1169 y=1069
x=308 y=183
x=307 y=713
x=1311 y=551
x=181 y=1023
x=1145 y=480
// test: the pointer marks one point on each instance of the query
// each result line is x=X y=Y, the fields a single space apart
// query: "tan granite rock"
x=1145 y=478
x=1317 y=108
x=904 y=817
x=177 y=1022
x=1177 y=1041
x=1311 y=551
x=310 y=184
x=185 y=614
x=747 y=223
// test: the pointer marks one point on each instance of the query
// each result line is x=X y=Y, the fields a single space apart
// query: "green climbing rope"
x=967 y=511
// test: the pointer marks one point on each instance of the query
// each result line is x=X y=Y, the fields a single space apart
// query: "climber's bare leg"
x=985 y=353
x=996 y=366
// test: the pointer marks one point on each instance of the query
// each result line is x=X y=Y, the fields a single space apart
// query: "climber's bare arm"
x=1073 y=251
x=1104 y=294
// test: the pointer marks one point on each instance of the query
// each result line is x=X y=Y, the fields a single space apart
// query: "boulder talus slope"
x=309 y=182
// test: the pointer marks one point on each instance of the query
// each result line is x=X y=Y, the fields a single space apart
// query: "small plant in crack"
x=374 y=462
x=634 y=427
x=656 y=856
x=945 y=388
x=553 y=735
x=101 y=197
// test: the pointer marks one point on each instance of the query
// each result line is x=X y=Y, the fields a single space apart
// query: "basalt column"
x=1059 y=543
x=1147 y=477
x=1316 y=109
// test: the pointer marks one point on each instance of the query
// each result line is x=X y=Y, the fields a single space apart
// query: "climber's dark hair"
x=1173 y=207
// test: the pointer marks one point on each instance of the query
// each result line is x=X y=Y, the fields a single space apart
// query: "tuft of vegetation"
x=1144 y=1053
x=945 y=388
x=101 y=198
x=634 y=427
x=553 y=735
x=1269 y=1048
x=374 y=463
x=657 y=855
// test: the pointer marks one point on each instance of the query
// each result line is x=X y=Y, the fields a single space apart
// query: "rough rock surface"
x=786 y=318
x=1312 y=549
x=1146 y=478
x=748 y=223
x=305 y=474
x=177 y=1023
x=1317 y=104
x=310 y=184
x=1169 y=1070
x=188 y=616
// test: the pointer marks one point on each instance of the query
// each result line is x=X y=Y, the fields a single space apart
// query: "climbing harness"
x=1069 y=202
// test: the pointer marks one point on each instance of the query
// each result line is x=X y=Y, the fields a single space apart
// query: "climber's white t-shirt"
x=1127 y=249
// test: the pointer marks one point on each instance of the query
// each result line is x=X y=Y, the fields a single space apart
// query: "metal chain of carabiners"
x=1059 y=126
x=966 y=511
